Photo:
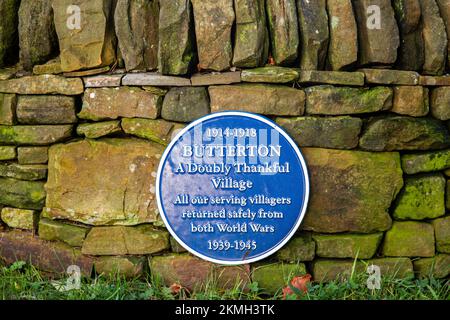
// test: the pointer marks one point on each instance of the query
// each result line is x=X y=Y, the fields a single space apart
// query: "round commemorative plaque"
x=232 y=188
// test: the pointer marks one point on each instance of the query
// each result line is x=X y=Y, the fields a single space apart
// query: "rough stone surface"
x=185 y=104
x=44 y=84
x=326 y=270
x=411 y=101
x=437 y=267
x=22 y=194
x=231 y=277
x=423 y=197
x=334 y=133
x=386 y=76
x=331 y=77
x=186 y=270
x=347 y=245
x=93 y=44
x=101 y=81
x=426 y=162
x=8 y=34
x=330 y=100
x=129 y=267
x=409 y=239
x=404 y=133
x=46 y=110
x=251 y=44
x=411 y=55
x=209 y=79
x=112 y=103
x=37 y=35
x=154 y=79
x=434 y=81
x=270 y=74
x=175 y=246
x=120 y=191
x=344 y=185
x=144 y=239
x=214 y=20
x=435 y=38
x=343 y=47
x=283 y=29
x=52 y=66
x=32 y=155
x=314 y=33
x=159 y=131
x=442 y=234
x=46 y=256
x=137 y=25
x=34 y=135
x=272 y=278
x=30 y=172
x=440 y=103
x=57 y=231
x=398 y=268
x=8 y=103
x=444 y=8
x=257 y=98
x=98 y=129
x=19 y=218
x=176 y=36
x=7 y=153
x=299 y=248
x=379 y=44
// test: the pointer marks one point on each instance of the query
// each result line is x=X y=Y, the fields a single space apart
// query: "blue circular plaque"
x=232 y=188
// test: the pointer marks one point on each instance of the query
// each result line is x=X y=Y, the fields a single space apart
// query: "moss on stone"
x=300 y=248
x=271 y=278
x=423 y=197
x=409 y=239
x=426 y=162
x=347 y=245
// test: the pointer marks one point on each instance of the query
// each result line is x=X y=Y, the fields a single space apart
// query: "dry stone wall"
x=91 y=92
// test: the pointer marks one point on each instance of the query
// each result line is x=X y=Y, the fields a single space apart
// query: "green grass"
x=21 y=281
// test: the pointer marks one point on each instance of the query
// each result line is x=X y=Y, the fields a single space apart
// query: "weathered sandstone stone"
x=314 y=34
x=57 y=231
x=344 y=185
x=378 y=43
x=334 y=133
x=8 y=103
x=251 y=46
x=330 y=100
x=404 y=133
x=92 y=43
x=347 y=245
x=257 y=98
x=19 y=218
x=46 y=110
x=440 y=103
x=22 y=194
x=283 y=28
x=176 y=53
x=423 y=197
x=37 y=35
x=185 y=104
x=159 y=130
x=426 y=162
x=214 y=20
x=437 y=267
x=44 y=255
x=435 y=38
x=442 y=234
x=32 y=155
x=112 y=103
x=270 y=74
x=7 y=153
x=31 y=172
x=343 y=48
x=411 y=101
x=34 y=135
x=129 y=267
x=138 y=240
x=83 y=187
x=409 y=239
x=44 y=84
x=137 y=25
x=98 y=129
x=272 y=278
x=299 y=248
